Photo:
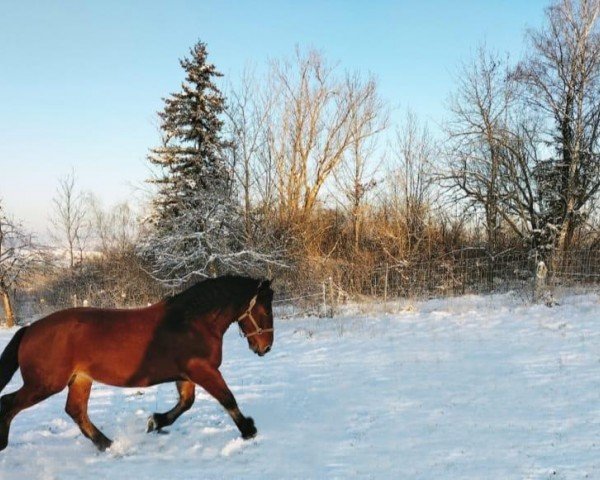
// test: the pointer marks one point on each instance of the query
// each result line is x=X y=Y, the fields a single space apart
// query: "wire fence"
x=466 y=271
x=322 y=287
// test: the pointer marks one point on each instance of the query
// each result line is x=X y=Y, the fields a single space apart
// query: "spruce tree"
x=193 y=214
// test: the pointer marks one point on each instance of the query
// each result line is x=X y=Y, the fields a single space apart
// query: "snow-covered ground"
x=475 y=387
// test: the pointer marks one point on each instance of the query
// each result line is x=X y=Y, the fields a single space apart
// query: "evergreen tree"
x=193 y=215
x=192 y=155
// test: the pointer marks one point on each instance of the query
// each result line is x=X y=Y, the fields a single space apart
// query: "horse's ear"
x=264 y=285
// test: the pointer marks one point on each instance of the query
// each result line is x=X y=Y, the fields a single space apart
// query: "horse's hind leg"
x=77 y=403
x=12 y=403
x=187 y=395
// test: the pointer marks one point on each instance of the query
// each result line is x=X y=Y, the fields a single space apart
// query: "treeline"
x=299 y=173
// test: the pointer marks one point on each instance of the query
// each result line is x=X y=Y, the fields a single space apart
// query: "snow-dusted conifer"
x=193 y=219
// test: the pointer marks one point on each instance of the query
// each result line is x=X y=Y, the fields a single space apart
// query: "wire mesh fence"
x=319 y=288
x=465 y=271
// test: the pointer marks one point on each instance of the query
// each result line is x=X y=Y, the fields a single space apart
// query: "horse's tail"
x=9 y=360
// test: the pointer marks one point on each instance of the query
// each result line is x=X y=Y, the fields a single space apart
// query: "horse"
x=178 y=339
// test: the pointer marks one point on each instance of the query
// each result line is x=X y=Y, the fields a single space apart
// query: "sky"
x=81 y=81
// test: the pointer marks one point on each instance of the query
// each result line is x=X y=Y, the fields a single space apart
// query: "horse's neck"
x=219 y=320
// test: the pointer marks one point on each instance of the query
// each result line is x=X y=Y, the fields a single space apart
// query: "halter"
x=248 y=313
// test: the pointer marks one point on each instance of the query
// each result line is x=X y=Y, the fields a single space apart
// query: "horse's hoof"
x=103 y=444
x=3 y=436
x=152 y=424
x=249 y=430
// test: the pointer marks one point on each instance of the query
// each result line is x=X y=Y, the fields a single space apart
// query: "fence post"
x=540 y=279
x=463 y=272
x=331 y=297
x=324 y=300
x=535 y=279
x=491 y=268
x=385 y=286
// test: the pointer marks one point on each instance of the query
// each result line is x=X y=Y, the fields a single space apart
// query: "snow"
x=473 y=387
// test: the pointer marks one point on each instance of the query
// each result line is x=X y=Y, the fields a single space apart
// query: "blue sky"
x=80 y=82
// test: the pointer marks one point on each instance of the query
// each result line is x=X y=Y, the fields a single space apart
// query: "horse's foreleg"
x=76 y=407
x=186 y=400
x=212 y=381
x=12 y=403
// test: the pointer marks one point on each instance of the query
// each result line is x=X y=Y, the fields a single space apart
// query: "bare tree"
x=355 y=176
x=17 y=255
x=561 y=77
x=414 y=154
x=71 y=227
x=477 y=132
x=355 y=179
x=319 y=118
x=248 y=114
x=116 y=229
x=408 y=192
x=495 y=155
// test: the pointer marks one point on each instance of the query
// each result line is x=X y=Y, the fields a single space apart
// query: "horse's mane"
x=208 y=295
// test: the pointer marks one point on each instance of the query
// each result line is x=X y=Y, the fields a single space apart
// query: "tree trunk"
x=565 y=236
x=563 y=244
x=356 y=226
x=71 y=256
x=8 y=310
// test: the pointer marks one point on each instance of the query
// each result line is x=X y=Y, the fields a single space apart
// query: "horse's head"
x=256 y=323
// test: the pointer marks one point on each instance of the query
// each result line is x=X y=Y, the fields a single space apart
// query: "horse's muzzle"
x=263 y=352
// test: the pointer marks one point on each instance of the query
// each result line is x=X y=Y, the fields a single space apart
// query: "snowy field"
x=474 y=387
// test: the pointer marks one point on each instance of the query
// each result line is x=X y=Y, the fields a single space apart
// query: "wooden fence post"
x=540 y=280
x=331 y=297
x=385 y=286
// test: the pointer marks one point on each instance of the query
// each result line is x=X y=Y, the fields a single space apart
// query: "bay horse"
x=178 y=339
